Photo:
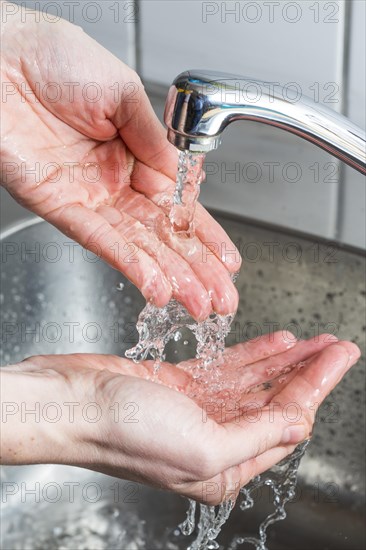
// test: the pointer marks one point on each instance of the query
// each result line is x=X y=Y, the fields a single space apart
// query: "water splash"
x=156 y=327
x=189 y=177
x=282 y=480
x=209 y=524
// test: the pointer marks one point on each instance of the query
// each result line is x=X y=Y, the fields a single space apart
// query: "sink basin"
x=289 y=282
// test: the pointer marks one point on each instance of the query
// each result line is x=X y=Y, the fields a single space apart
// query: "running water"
x=209 y=524
x=282 y=480
x=189 y=177
x=158 y=326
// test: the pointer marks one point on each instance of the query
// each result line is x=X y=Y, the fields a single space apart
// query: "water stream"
x=189 y=177
x=156 y=328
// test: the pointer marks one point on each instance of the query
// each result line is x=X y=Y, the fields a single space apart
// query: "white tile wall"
x=356 y=108
x=290 y=196
x=109 y=22
x=353 y=209
x=179 y=34
x=353 y=199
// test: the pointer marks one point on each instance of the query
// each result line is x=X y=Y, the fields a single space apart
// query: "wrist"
x=36 y=426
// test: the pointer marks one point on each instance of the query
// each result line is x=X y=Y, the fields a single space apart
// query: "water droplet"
x=177 y=336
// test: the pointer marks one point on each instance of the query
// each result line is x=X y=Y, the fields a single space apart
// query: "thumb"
x=140 y=128
x=106 y=97
x=259 y=431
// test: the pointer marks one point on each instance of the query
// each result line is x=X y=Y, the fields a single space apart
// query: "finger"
x=263 y=462
x=259 y=349
x=216 y=240
x=247 y=353
x=160 y=191
x=312 y=384
x=253 y=376
x=93 y=232
x=226 y=486
x=266 y=393
x=212 y=274
x=141 y=130
x=186 y=286
x=257 y=430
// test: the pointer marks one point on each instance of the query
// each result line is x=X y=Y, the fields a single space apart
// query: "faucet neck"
x=201 y=104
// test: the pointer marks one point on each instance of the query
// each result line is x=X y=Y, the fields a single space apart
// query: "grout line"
x=138 y=48
x=133 y=39
x=343 y=71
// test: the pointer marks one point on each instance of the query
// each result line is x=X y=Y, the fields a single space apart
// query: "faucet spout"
x=200 y=105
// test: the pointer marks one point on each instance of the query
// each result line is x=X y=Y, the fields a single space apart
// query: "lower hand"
x=153 y=432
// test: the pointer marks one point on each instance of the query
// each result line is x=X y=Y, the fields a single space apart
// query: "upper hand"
x=104 y=172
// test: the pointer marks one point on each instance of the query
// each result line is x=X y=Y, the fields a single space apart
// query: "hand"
x=104 y=170
x=162 y=437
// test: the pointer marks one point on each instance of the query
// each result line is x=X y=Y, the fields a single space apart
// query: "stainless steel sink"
x=49 y=285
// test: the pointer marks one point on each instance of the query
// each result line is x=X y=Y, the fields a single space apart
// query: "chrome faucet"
x=200 y=105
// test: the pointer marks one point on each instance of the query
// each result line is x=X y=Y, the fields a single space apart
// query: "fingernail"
x=330 y=338
x=354 y=353
x=294 y=434
x=289 y=338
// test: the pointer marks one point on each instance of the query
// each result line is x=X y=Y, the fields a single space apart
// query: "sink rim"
x=358 y=251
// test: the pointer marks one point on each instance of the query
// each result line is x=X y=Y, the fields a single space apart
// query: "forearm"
x=19 y=45
x=34 y=425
